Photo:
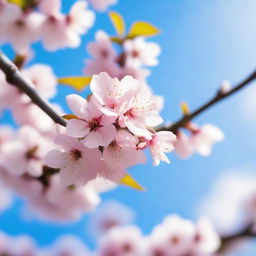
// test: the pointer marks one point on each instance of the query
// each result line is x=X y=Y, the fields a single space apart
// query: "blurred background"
x=203 y=43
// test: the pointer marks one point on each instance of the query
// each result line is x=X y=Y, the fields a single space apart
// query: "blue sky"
x=203 y=42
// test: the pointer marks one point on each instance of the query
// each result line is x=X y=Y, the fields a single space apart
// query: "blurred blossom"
x=231 y=202
x=110 y=214
x=200 y=140
x=131 y=58
x=6 y=197
x=126 y=241
x=102 y=5
x=22 y=28
x=69 y=245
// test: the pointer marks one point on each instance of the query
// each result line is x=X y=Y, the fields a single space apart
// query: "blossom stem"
x=216 y=99
x=14 y=77
x=226 y=241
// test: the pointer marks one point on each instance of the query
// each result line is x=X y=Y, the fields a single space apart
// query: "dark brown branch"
x=226 y=241
x=14 y=77
x=217 y=98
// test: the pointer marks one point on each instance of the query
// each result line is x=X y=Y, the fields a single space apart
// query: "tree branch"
x=216 y=99
x=226 y=241
x=14 y=77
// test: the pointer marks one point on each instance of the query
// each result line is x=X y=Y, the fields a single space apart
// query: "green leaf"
x=129 y=181
x=24 y=4
x=142 y=28
x=118 y=23
x=78 y=83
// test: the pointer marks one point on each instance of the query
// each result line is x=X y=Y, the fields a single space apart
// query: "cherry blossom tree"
x=61 y=162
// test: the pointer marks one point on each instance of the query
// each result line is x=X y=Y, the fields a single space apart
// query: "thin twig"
x=217 y=98
x=226 y=241
x=14 y=77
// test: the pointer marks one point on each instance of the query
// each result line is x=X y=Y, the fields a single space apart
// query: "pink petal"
x=69 y=175
x=100 y=137
x=76 y=103
x=55 y=159
x=77 y=128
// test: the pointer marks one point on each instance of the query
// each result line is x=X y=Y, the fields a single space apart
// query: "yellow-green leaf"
x=184 y=108
x=70 y=116
x=118 y=23
x=117 y=40
x=142 y=28
x=79 y=82
x=24 y=3
x=129 y=181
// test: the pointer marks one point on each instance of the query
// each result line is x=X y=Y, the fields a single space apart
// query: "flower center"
x=94 y=124
x=104 y=53
x=135 y=54
x=76 y=154
x=20 y=23
x=126 y=247
x=130 y=113
x=31 y=153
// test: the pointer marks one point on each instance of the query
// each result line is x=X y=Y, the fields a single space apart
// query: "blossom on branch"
x=104 y=135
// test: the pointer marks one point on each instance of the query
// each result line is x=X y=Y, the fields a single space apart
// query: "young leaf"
x=184 y=108
x=70 y=116
x=142 y=28
x=118 y=23
x=129 y=181
x=79 y=82
x=24 y=4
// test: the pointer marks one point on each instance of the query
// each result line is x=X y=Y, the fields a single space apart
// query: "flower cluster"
x=134 y=55
x=237 y=209
x=44 y=21
x=200 y=140
x=24 y=111
x=108 y=131
x=22 y=171
x=174 y=237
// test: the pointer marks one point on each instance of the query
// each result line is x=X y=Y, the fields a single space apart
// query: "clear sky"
x=203 y=42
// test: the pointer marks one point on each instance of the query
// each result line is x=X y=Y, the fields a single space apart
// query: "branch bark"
x=216 y=99
x=14 y=77
x=226 y=241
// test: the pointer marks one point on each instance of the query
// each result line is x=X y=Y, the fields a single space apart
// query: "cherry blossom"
x=96 y=129
x=111 y=95
x=102 y=49
x=5 y=197
x=125 y=241
x=233 y=211
x=61 y=31
x=69 y=245
x=203 y=139
x=162 y=142
x=110 y=214
x=43 y=78
x=206 y=240
x=140 y=113
x=183 y=146
x=122 y=152
x=102 y=5
x=21 y=29
x=139 y=52
x=77 y=164
x=129 y=59
x=25 y=153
